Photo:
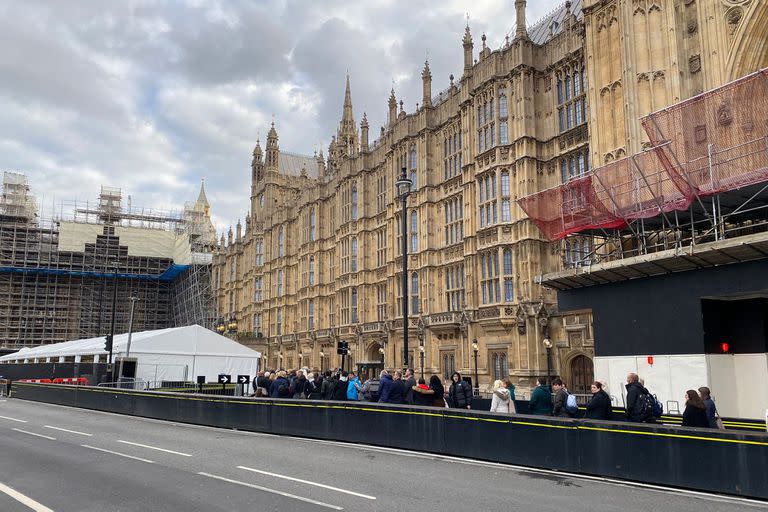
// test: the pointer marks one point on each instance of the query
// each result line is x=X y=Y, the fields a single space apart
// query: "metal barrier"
x=709 y=460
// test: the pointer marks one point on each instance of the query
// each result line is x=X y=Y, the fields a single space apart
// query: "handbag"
x=719 y=422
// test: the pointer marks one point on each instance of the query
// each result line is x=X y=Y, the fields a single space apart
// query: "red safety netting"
x=709 y=144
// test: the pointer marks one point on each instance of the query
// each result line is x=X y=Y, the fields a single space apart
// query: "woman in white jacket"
x=500 y=402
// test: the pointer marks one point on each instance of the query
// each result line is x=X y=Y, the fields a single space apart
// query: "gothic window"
x=486 y=133
x=414 y=232
x=256 y=322
x=259 y=249
x=312 y=224
x=503 y=133
x=448 y=366
x=454 y=220
x=415 y=294
x=311 y=315
x=232 y=271
x=381 y=198
x=571 y=99
x=503 y=110
x=454 y=287
x=499 y=364
x=281 y=242
x=488 y=203
x=505 y=201
x=279 y=283
x=353 y=301
x=381 y=306
x=354 y=202
x=311 y=271
x=578 y=251
x=489 y=277
x=257 y=289
x=509 y=292
x=574 y=165
x=381 y=247
x=279 y=322
x=354 y=254
x=451 y=153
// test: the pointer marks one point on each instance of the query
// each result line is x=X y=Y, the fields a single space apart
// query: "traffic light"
x=342 y=348
x=108 y=343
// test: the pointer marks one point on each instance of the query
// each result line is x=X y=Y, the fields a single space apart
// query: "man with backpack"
x=563 y=403
x=640 y=403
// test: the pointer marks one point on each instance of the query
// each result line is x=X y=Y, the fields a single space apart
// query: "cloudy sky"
x=152 y=96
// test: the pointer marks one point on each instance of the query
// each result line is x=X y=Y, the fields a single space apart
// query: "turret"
x=364 y=133
x=347 y=129
x=257 y=164
x=426 y=86
x=392 y=117
x=273 y=151
x=467 y=43
x=521 y=32
x=238 y=231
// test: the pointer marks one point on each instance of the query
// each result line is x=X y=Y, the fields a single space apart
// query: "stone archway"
x=581 y=373
x=749 y=50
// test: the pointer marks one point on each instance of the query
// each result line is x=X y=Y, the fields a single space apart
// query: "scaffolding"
x=704 y=179
x=58 y=275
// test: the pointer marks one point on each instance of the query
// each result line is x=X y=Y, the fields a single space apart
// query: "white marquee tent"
x=179 y=353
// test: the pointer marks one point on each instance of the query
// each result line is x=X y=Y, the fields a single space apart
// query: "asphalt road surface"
x=75 y=460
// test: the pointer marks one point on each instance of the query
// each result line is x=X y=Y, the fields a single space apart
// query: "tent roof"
x=189 y=340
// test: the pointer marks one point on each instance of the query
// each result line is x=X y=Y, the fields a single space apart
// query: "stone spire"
x=364 y=133
x=347 y=129
x=522 y=31
x=273 y=151
x=202 y=200
x=392 y=109
x=426 y=85
x=467 y=43
x=238 y=231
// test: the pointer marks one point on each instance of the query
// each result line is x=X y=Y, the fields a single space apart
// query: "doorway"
x=582 y=375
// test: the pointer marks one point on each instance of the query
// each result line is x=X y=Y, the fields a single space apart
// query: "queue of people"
x=403 y=388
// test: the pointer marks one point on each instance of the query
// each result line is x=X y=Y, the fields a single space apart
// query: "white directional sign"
x=243 y=379
x=224 y=378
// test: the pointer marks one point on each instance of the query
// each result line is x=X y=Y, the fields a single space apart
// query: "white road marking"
x=345 y=491
x=272 y=491
x=154 y=448
x=66 y=430
x=33 y=434
x=117 y=453
x=13 y=419
x=25 y=500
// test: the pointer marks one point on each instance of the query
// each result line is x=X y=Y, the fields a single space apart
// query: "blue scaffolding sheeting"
x=171 y=273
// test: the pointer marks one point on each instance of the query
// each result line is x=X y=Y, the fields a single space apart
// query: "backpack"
x=644 y=406
x=658 y=409
x=570 y=404
x=282 y=390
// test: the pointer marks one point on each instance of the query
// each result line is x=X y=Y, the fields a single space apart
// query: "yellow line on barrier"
x=678 y=436
x=460 y=417
x=545 y=425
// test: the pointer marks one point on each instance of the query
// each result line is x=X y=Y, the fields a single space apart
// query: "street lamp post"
x=403 y=185
x=421 y=355
x=477 y=383
x=112 y=323
x=548 y=345
x=322 y=356
x=130 y=333
x=421 y=345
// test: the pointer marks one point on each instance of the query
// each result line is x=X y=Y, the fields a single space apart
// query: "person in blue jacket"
x=353 y=386
x=385 y=386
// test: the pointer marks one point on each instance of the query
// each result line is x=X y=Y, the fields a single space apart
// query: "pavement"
x=75 y=460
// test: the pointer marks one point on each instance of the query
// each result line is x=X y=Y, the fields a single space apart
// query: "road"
x=75 y=460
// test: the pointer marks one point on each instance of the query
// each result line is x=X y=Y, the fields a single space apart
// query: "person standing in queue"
x=460 y=393
x=422 y=394
x=706 y=397
x=438 y=399
x=599 y=406
x=541 y=399
x=695 y=413
x=501 y=401
x=561 y=395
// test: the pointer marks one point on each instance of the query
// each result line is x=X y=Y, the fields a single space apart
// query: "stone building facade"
x=319 y=260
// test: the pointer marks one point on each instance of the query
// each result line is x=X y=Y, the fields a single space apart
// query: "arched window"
x=567 y=87
x=503 y=110
x=576 y=83
x=509 y=292
x=413 y=176
x=414 y=232
x=311 y=315
x=279 y=283
x=312 y=224
x=415 y=293
x=311 y=271
x=353 y=303
x=559 y=90
x=281 y=242
x=412 y=157
x=354 y=254
x=354 y=202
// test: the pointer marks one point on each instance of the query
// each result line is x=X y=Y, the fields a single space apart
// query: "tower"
x=257 y=165
x=392 y=118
